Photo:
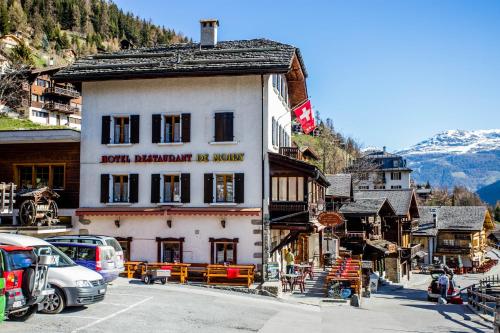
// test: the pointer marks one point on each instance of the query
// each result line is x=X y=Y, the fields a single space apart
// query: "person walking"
x=444 y=284
x=290 y=259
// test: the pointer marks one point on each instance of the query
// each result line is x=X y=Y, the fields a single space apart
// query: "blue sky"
x=387 y=72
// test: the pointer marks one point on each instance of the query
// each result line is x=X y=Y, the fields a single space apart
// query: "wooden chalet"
x=339 y=192
x=297 y=197
x=455 y=235
x=398 y=229
x=33 y=159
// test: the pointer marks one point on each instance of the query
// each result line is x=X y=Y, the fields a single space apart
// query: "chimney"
x=434 y=217
x=208 y=30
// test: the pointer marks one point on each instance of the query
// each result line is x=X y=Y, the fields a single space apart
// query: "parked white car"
x=93 y=239
x=74 y=285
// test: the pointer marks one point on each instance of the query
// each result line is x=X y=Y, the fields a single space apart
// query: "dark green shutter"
x=104 y=188
x=106 y=127
x=134 y=129
x=239 y=187
x=156 y=128
x=186 y=127
x=185 y=187
x=155 y=188
x=134 y=188
x=208 y=188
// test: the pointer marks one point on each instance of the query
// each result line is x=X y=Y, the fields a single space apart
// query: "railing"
x=355 y=234
x=484 y=297
x=54 y=106
x=7 y=198
x=288 y=206
x=411 y=250
x=292 y=152
x=62 y=92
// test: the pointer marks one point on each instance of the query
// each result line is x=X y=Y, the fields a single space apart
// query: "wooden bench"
x=179 y=270
x=197 y=272
x=132 y=268
x=218 y=274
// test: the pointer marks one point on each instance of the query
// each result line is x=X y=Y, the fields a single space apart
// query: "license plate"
x=17 y=304
x=102 y=291
x=163 y=272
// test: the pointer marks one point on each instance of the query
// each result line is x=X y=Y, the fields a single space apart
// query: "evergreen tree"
x=4 y=18
x=17 y=17
x=497 y=212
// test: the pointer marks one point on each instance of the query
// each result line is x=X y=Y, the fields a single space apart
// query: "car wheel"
x=147 y=279
x=54 y=303
x=163 y=280
x=23 y=315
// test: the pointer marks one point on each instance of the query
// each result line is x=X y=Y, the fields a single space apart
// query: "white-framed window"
x=281 y=87
x=224 y=187
x=273 y=134
x=120 y=129
x=171 y=188
x=395 y=187
x=119 y=188
x=171 y=128
x=396 y=175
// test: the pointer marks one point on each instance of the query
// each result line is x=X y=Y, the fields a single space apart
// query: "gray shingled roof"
x=256 y=56
x=467 y=218
x=425 y=222
x=340 y=185
x=399 y=199
x=363 y=206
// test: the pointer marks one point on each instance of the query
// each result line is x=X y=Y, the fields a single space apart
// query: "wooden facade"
x=65 y=155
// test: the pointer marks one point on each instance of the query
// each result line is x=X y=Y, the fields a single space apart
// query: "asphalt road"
x=134 y=307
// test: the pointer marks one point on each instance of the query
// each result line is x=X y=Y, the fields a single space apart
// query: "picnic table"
x=131 y=267
x=177 y=269
x=236 y=275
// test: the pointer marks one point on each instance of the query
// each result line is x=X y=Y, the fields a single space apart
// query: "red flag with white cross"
x=305 y=116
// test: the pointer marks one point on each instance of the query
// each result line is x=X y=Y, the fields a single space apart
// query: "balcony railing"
x=62 y=92
x=60 y=107
x=292 y=152
x=455 y=249
x=289 y=207
x=356 y=234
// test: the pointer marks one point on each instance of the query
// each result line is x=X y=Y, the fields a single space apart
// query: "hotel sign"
x=173 y=158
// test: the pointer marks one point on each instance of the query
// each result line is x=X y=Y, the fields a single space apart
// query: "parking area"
x=131 y=306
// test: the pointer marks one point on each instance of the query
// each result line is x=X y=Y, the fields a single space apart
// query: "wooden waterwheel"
x=27 y=213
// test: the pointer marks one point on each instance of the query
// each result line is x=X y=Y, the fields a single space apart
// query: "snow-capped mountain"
x=456 y=157
x=457 y=142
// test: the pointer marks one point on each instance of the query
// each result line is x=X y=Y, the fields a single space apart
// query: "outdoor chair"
x=284 y=283
x=300 y=281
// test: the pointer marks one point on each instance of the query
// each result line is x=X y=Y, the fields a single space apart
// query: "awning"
x=120 y=211
x=214 y=211
x=164 y=211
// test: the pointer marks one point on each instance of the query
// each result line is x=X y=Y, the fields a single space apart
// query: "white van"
x=74 y=285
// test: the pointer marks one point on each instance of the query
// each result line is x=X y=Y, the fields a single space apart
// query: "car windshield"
x=436 y=274
x=62 y=260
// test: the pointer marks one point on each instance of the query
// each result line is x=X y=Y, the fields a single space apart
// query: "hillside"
x=456 y=157
x=490 y=193
x=52 y=27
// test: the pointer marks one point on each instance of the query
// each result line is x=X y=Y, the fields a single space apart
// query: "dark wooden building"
x=37 y=158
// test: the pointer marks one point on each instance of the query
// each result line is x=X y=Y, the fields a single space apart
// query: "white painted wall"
x=52 y=118
x=201 y=97
x=195 y=229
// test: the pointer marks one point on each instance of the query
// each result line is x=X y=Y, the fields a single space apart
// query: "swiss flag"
x=305 y=116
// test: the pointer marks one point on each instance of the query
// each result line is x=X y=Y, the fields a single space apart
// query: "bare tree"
x=11 y=86
x=364 y=169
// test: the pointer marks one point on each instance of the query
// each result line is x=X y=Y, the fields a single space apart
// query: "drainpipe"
x=263 y=238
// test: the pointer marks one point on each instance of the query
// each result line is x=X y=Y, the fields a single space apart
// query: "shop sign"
x=330 y=219
x=366 y=264
x=173 y=158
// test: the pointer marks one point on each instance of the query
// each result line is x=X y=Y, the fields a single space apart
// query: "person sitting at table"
x=289 y=258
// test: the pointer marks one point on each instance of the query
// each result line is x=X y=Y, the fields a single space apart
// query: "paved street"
x=131 y=307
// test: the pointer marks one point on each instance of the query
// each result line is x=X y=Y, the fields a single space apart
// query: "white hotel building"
x=178 y=144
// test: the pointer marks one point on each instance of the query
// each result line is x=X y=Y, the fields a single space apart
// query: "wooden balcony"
x=411 y=250
x=454 y=249
x=63 y=92
x=409 y=226
x=288 y=207
x=60 y=107
x=292 y=152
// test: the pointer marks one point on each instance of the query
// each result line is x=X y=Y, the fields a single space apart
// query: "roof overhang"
x=39 y=136
x=167 y=211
